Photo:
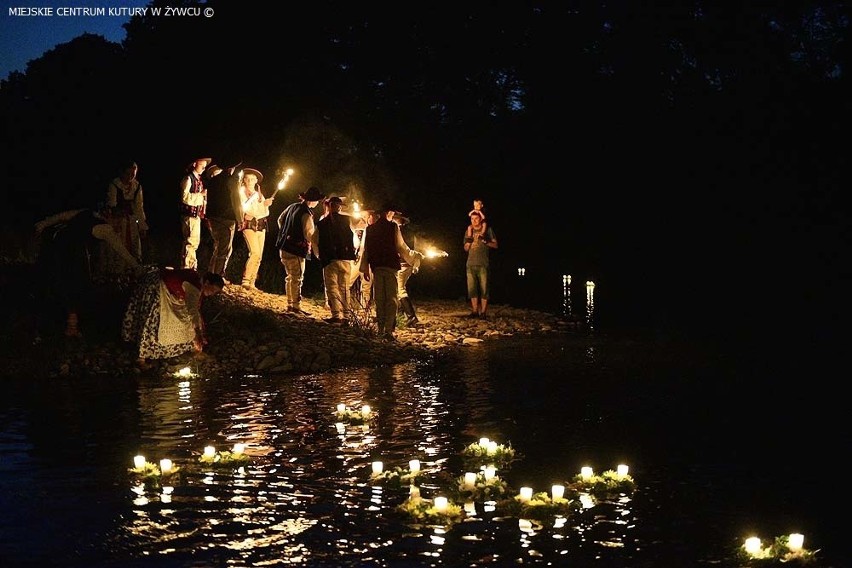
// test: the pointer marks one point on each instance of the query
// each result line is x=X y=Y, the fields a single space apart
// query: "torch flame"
x=287 y=173
x=432 y=252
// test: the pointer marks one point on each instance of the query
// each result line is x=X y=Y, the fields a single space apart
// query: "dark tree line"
x=622 y=131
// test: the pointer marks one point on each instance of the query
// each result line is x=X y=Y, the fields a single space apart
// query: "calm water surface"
x=720 y=450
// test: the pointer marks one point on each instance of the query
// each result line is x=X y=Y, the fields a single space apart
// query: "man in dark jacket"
x=381 y=260
x=335 y=247
x=295 y=231
x=224 y=213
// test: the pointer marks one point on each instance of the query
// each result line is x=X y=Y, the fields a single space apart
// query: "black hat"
x=193 y=162
x=390 y=206
x=313 y=194
x=212 y=170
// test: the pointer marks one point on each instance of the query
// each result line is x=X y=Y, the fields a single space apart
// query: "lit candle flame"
x=752 y=545
x=441 y=504
x=469 y=479
x=796 y=541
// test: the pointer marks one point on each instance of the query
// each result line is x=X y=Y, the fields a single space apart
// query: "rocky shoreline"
x=252 y=333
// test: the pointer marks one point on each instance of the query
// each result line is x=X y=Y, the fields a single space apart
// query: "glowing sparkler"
x=286 y=177
x=432 y=252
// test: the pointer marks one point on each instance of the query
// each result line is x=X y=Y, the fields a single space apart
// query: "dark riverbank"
x=247 y=332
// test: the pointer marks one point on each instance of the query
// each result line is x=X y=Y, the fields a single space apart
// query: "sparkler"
x=432 y=252
x=286 y=177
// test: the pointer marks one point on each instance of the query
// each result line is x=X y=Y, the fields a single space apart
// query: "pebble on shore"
x=251 y=332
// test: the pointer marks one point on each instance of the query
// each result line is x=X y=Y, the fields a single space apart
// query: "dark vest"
x=174 y=279
x=223 y=197
x=335 y=238
x=380 y=244
x=291 y=237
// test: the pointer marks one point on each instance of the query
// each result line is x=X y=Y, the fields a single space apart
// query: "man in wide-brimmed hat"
x=334 y=246
x=380 y=261
x=193 y=203
x=224 y=213
x=295 y=231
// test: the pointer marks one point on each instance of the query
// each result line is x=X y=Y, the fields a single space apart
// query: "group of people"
x=163 y=316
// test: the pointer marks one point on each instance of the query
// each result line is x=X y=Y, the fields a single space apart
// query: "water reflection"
x=310 y=471
x=567 y=309
x=306 y=496
x=590 y=305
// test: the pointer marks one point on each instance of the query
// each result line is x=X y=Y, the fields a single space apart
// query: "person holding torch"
x=255 y=223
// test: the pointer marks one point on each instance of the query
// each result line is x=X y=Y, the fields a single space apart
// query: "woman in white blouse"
x=255 y=222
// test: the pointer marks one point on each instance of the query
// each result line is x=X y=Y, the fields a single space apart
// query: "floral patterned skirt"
x=141 y=321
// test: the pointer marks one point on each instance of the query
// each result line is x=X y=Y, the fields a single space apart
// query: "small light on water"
x=469 y=479
x=752 y=545
x=796 y=541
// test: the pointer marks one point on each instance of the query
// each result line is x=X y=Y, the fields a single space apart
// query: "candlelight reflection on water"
x=306 y=497
x=310 y=471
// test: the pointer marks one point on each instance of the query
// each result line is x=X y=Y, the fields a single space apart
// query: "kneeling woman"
x=164 y=314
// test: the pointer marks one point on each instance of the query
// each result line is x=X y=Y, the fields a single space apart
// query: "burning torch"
x=287 y=173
